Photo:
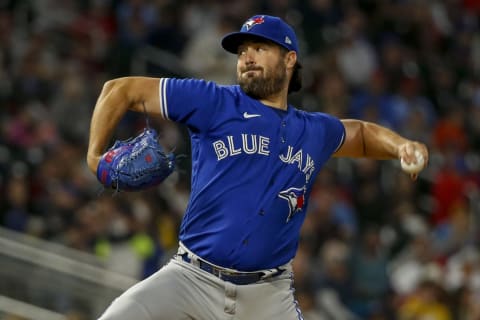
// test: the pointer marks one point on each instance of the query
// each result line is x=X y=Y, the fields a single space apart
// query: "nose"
x=249 y=56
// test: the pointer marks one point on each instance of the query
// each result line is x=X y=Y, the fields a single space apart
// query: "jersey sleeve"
x=189 y=101
x=334 y=132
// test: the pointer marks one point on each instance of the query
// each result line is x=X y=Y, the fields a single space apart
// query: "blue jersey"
x=253 y=167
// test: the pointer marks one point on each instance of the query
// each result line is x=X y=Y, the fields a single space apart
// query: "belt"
x=235 y=277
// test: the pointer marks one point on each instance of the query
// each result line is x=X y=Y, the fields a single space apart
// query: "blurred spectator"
x=373 y=102
x=370 y=282
x=448 y=190
x=369 y=197
x=463 y=270
x=205 y=58
x=429 y=301
x=334 y=284
x=321 y=19
x=356 y=56
x=409 y=99
x=412 y=265
x=16 y=213
x=306 y=300
x=168 y=34
x=466 y=304
x=71 y=107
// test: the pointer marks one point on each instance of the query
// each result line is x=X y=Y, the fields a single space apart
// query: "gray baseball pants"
x=181 y=290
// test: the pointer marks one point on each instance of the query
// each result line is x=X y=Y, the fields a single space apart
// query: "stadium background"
x=375 y=245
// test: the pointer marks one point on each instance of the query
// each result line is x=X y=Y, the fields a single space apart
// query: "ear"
x=291 y=59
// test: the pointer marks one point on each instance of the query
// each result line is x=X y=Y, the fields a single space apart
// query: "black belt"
x=239 y=278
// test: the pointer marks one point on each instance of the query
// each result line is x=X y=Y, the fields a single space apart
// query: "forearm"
x=111 y=105
x=380 y=142
x=369 y=140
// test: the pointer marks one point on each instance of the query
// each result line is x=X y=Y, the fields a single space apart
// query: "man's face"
x=261 y=69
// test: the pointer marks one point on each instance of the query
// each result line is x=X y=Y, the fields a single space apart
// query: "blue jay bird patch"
x=295 y=198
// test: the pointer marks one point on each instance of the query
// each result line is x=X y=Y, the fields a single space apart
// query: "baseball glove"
x=135 y=164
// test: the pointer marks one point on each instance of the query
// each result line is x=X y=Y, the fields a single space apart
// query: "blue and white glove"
x=135 y=164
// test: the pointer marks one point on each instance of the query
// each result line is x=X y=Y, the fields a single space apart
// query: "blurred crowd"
x=375 y=244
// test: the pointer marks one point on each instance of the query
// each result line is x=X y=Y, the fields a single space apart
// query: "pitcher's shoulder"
x=314 y=115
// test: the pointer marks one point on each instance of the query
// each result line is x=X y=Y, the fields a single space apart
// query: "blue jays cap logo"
x=264 y=27
x=295 y=198
x=253 y=21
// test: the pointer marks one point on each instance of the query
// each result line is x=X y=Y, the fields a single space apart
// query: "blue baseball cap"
x=263 y=27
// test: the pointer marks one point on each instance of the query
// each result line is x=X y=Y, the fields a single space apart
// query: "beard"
x=264 y=85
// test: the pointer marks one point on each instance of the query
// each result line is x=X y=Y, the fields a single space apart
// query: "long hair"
x=296 y=80
x=295 y=83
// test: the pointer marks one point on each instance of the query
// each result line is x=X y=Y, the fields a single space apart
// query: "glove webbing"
x=102 y=188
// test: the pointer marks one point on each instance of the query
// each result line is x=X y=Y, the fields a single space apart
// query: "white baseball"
x=413 y=167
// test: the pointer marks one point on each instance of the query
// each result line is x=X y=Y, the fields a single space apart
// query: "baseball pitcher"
x=254 y=160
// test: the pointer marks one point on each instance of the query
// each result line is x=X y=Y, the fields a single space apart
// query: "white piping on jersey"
x=162 y=89
x=342 y=140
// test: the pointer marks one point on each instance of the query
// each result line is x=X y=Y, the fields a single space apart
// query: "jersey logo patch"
x=295 y=198
x=251 y=22
x=250 y=115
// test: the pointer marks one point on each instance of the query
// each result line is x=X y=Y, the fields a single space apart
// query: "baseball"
x=413 y=167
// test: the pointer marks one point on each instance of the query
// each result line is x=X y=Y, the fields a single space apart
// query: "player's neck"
x=277 y=101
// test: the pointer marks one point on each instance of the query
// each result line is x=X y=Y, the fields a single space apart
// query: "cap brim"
x=233 y=40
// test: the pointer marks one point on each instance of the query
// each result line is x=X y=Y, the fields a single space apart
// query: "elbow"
x=108 y=87
x=113 y=84
x=115 y=90
x=127 y=92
